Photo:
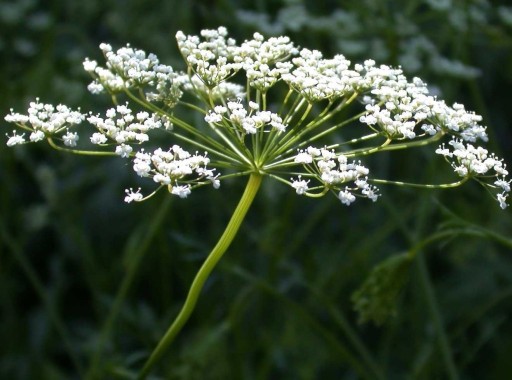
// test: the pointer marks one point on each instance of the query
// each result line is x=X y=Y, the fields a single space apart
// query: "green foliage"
x=376 y=299
x=87 y=279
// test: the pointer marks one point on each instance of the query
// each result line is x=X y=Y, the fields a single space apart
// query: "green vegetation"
x=90 y=284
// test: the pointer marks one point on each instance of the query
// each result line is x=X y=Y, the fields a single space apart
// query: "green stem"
x=202 y=275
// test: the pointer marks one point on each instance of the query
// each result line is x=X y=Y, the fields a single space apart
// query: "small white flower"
x=16 y=118
x=213 y=117
x=505 y=185
x=443 y=151
x=123 y=150
x=132 y=196
x=95 y=88
x=300 y=185
x=429 y=129
x=303 y=158
x=314 y=152
x=90 y=66
x=249 y=126
x=162 y=179
x=70 y=139
x=15 y=139
x=254 y=106
x=215 y=183
x=105 y=47
x=37 y=136
x=346 y=197
x=361 y=183
x=98 y=138
x=181 y=191
x=502 y=199
x=370 y=192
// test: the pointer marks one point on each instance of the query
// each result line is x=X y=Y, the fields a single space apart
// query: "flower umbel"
x=249 y=129
x=263 y=108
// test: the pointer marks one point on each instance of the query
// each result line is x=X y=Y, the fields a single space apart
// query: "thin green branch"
x=420 y=185
x=78 y=151
x=403 y=145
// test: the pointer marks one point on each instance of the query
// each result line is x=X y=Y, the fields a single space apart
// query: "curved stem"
x=202 y=275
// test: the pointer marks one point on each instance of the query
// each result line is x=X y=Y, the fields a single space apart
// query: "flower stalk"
x=202 y=275
x=311 y=134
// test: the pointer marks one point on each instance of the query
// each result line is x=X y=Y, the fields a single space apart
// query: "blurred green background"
x=88 y=284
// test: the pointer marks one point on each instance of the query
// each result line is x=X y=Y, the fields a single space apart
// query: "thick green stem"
x=204 y=272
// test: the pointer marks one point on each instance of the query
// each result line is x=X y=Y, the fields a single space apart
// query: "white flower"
x=142 y=164
x=370 y=192
x=163 y=179
x=244 y=130
x=98 y=138
x=90 y=66
x=444 y=151
x=132 y=196
x=181 y=191
x=171 y=167
x=314 y=152
x=105 y=47
x=16 y=118
x=123 y=150
x=300 y=185
x=303 y=158
x=254 y=106
x=215 y=183
x=213 y=117
x=429 y=129
x=502 y=198
x=505 y=185
x=346 y=197
x=70 y=139
x=15 y=139
x=37 y=136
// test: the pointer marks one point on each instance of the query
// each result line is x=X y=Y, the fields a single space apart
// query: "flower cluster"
x=129 y=67
x=212 y=59
x=317 y=78
x=224 y=90
x=403 y=109
x=245 y=128
x=122 y=127
x=476 y=162
x=168 y=167
x=243 y=121
x=334 y=171
x=264 y=61
x=45 y=120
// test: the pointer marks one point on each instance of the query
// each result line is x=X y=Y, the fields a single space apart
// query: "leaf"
x=376 y=299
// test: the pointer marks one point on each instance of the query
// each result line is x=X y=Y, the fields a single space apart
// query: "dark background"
x=87 y=281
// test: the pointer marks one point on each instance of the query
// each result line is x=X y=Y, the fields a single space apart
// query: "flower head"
x=223 y=103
